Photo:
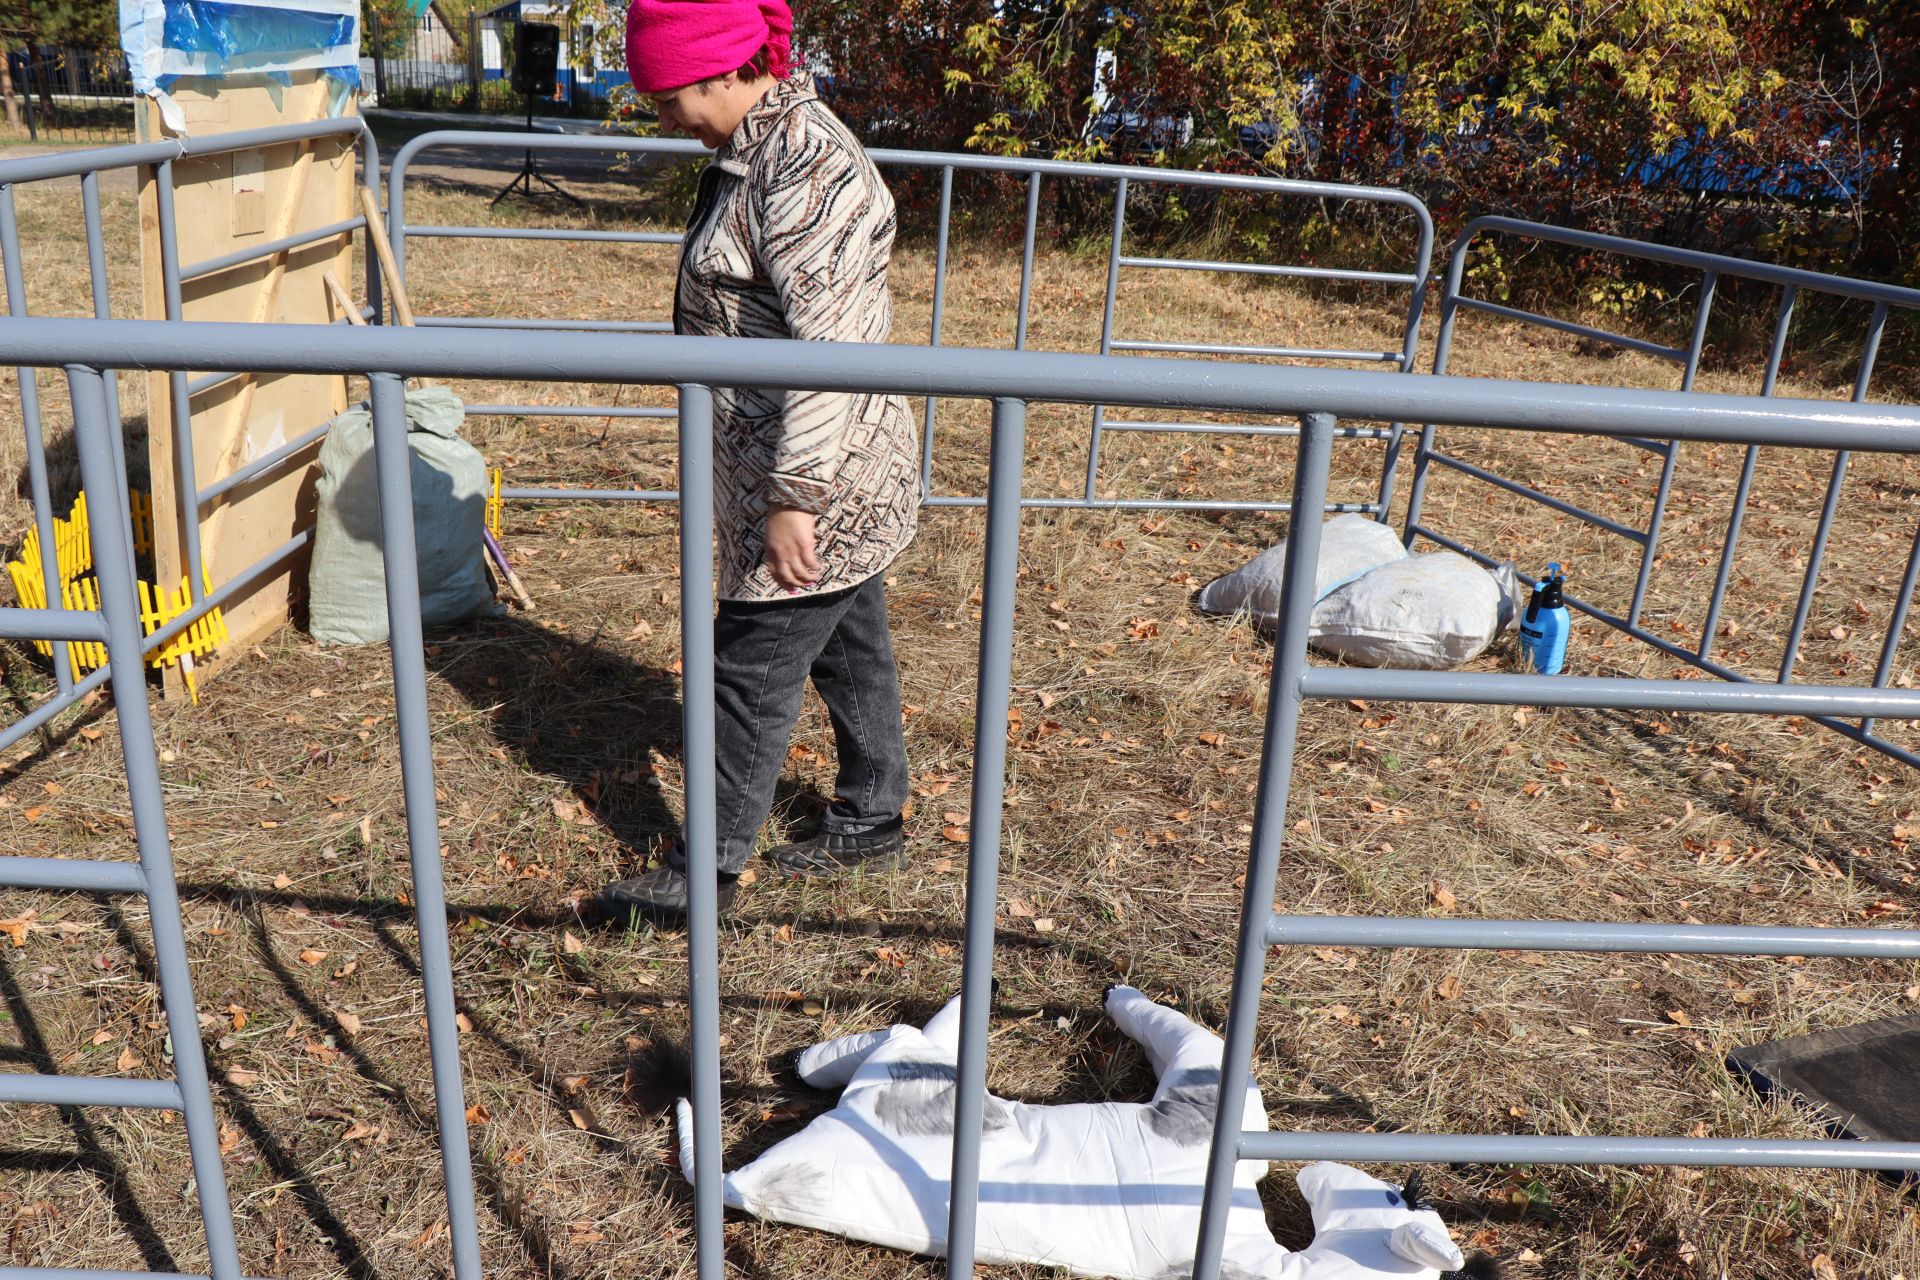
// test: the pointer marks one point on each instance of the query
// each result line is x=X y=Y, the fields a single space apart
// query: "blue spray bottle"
x=1543 y=631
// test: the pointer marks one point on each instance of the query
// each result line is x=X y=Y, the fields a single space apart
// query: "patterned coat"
x=789 y=239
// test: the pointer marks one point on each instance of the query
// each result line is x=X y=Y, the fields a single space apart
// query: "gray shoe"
x=832 y=853
x=659 y=897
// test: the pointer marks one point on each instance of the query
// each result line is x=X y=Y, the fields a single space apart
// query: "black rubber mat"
x=1864 y=1080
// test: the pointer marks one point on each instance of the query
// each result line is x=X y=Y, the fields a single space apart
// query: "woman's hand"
x=790 y=550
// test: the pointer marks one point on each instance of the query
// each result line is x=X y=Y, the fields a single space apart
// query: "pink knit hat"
x=675 y=43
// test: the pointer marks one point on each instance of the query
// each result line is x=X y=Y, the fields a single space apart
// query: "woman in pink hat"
x=815 y=493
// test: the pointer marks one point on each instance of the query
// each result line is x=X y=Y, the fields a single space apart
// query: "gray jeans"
x=764 y=652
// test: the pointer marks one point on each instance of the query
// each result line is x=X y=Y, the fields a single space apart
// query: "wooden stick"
x=377 y=233
x=343 y=300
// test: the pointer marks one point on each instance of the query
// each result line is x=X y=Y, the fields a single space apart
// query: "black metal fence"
x=422 y=63
x=67 y=95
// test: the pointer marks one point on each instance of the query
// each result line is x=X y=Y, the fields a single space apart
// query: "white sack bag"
x=1427 y=612
x=1350 y=545
x=1100 y=1189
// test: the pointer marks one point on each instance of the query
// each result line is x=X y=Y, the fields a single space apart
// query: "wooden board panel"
x=224 y=203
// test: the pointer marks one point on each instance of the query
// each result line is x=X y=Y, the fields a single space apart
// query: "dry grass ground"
x=1130 y=799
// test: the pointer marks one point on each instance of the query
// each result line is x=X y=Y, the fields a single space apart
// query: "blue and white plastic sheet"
x=167 y=39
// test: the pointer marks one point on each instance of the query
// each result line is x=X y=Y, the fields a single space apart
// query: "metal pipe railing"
x=1010 y=380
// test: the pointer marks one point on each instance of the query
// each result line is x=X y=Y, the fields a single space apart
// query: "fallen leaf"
x=463 y=1022
x=33 y=814
x=428 y=1236
x=1019 y=907
x=229 y=1139
x=584 y=1235
x=641 y=630
x=366 y=832
x=1449 y=987
x=1043 y=924
x=128 y=1059
x=581 y=1120
x=940 y=866
x=282 y=881
x=478 y=1114
x=571 y=945
x=1679 y=1018
x=1213 y=739
x=748 y=876
x=347 y=970
x=1441 y=896
x=958 y=835
x=310 y=956
x=783 y=934
x=565 y=810
x=242 y=1079
x=1821 y=1264
x=360 y=1131
x=17 y=928
x=349 y=1022
x=100 y=1037
x=812 y=1008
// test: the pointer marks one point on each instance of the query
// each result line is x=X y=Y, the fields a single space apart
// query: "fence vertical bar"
x=1005 y=466
x=1106 y=325
x=1442 y=353
x=393 y=466
x=1696 y=341
x=1409 y=352
x=1902 y=603
x=1026 y=263
x=185 y=478
x=114 y=573
x=1269 y=827
x=939 y=315
x=103 y=309
x=1775 y=352
x=703 y=868
x=38 y=488
x=1862 y=380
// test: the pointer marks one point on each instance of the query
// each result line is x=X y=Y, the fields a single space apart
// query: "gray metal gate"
x=1122 y=179
x=1792 y=283
x=1010 y=380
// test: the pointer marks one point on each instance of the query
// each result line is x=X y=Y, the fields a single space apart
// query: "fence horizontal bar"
x=587 y=326
x=1745 y=268
x=1242 y=429
x=1660 y=447
x=90 y=1273
x=566 y=411
x=1569 y=935
x=1056 y=377
x=52 y=707
x=1575 y=328
x=1437 y=1148
x=90 y=1091
x=78 y=875
x=591 y=495
x=264 y=464
x=72 y=164
x=1499 y=481
x=1223 y=349
x=255 y=252
x=1272 y=269
x=1152 y=504
x=1616 y=693
x=52 y=624
x=545 y=233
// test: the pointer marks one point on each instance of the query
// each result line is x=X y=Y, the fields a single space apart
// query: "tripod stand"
x=530 y=174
